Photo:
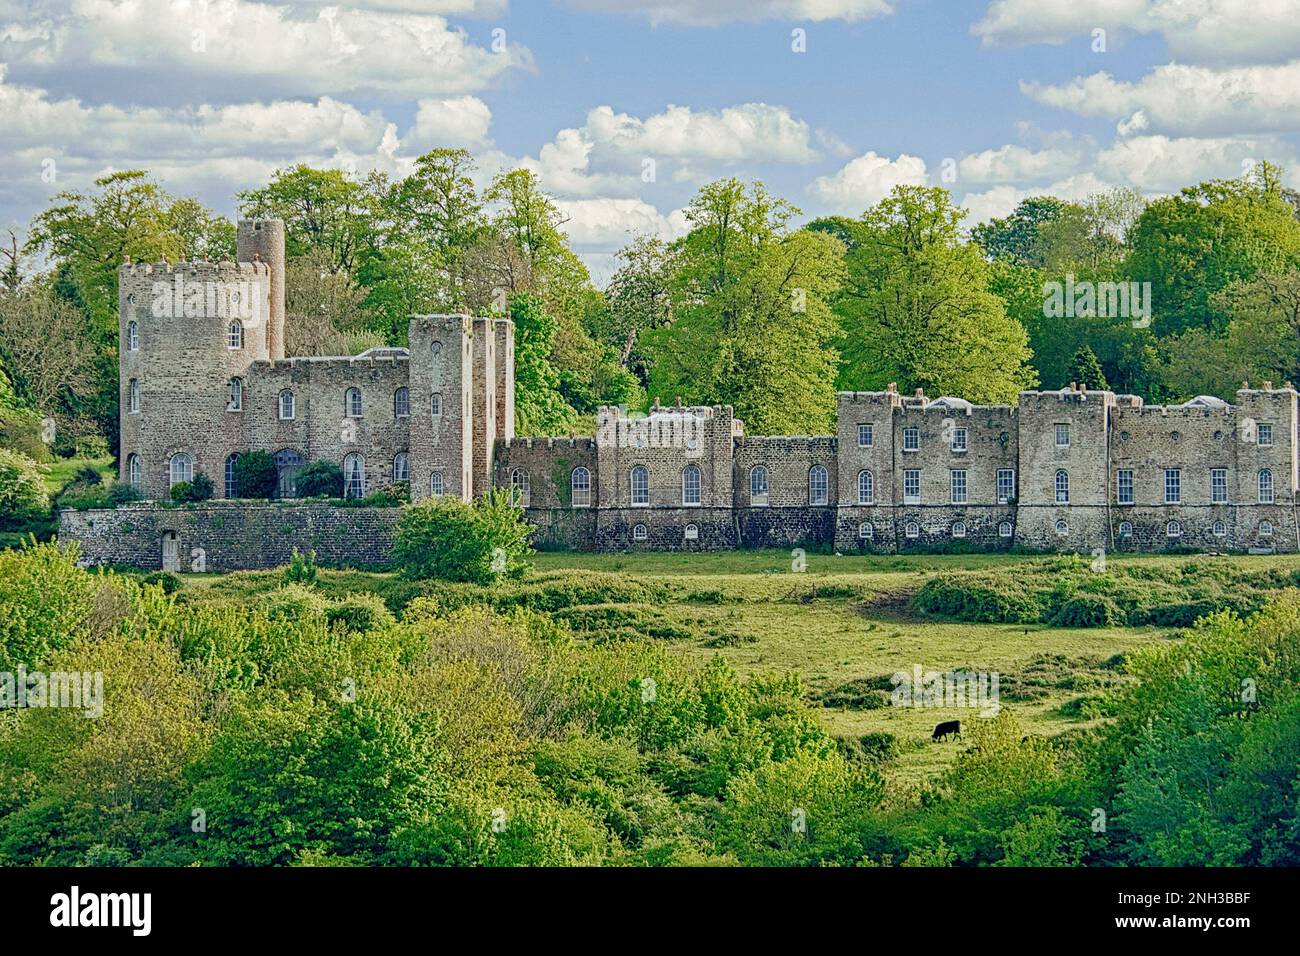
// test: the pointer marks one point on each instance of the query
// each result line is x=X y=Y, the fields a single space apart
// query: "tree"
x=48 y=348
x=1017 y=238
x=917 y=308
x=319 y=479
x=539 y=406
x=323 y=209
x=452 y=540
x=750 y=322
x=1086 y=370
x=22 y=490
x=256 y=475
x=323 y=309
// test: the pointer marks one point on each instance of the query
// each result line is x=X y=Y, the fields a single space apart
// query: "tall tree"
x=917 y=308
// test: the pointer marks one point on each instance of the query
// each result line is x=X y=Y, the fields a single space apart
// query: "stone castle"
x=204 y=377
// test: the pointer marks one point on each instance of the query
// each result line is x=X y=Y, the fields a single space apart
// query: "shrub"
x=320 y=479
x=256 y=475
x=169 y=582
x=89 y=475
x=22 y=490
x=20 y=430
x=200 y=489
x=360 y=613
x=1087 y=610
x=301 y=568
x=448 y=539
x=121 y=494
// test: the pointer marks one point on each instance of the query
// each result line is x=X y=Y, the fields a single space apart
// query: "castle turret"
x=262 y=240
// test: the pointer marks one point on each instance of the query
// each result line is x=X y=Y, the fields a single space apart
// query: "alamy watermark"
x=662 y=428
x=922 y=688
x=1098 y=300
x=71 y=690
x=207 y=299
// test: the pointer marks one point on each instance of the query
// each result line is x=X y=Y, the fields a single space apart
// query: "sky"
x=624 y=108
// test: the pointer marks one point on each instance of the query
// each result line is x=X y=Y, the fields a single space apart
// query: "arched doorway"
x=287 y=465
x=171 y=551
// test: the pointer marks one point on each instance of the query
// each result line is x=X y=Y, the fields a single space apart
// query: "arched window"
x=866 y=488
x=692 y=532
x=1266 y=529
x=1062 y=487
x=1004 y=529
x=435 y=404
x=352 y=403
x=236 y=402
x=1062 y=528
x=866 y=531
x=1220 y=529
x=402 y=402
x=818 y=485
x=959 y=529
x=235 y=335
x=286 y=405
x=1266 y=487
x=287 y=464
x=520 y=492
x=912 y=529
x=232 y=488
x=435 y=484
x=401 y=467
x=181 y=468
x=354 y=476
x=133 y=396
x=691 y=485
x=758 y=485
x=640 y=533
x=1173 y=530
x=435 y=347
x=133 y=471
x=1126 y=529
x=580 y=488
x=132 y=336
x=640 y=480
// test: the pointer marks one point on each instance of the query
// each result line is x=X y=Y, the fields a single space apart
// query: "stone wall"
x=232 y=535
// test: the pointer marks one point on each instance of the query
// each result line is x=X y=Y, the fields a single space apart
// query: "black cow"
x=949 y=728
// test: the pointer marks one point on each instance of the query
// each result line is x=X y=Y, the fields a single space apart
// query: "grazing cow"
x=949 y=728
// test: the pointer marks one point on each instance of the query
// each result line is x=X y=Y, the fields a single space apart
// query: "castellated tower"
x=188 y=335
x=442 y=404
x=262 y=240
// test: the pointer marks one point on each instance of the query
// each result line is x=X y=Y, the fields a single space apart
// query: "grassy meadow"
x=844 y=624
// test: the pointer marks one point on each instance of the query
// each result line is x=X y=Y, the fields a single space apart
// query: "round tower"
x=189 y=334
x=262 y=240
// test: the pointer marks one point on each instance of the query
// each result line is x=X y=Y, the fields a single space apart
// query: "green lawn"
x=60 y=471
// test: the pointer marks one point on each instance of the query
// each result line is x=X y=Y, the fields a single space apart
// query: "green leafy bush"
x=319 y=479
x=447 y=539
x=169 y=582
x=22 y=489
x=301 y=568
x=256 y=475
x=189 y=492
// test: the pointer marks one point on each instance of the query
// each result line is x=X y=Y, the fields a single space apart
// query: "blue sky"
x=996 y=99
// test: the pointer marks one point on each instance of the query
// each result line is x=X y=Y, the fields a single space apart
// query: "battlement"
x=583 y=444
x=224 y=269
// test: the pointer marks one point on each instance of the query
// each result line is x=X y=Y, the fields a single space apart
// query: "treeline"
x=304 y=729
x=747 y=308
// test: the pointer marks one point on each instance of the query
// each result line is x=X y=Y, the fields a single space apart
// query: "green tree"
x=1086 y=370
x=256 y=475
x=917 y=308
x=452 y=540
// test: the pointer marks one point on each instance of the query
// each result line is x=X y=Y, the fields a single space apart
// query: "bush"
x=88 y=474
x=360 y=613
x=301 y=568
x=256 y=475
x=169 y=582
x=21 y=431
x=22 y=490
x=320 y=479
x=121 y=494
x=1087 y=610
x=448 y=539
x=200 y=489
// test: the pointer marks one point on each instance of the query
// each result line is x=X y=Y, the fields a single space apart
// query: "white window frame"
x=957 y=489
x=866 y=435
x=1220 y=529
x=959 y=529
x=959 y=444
x=231 y=489
x=640 y=533
x=1174 y=529
x=1062 y=434
x=236 y=400
x=133 y=470
x=866 y=487
x=1062 y=527
x=866 y=531
x=819 y=485
x=1264 y=435
x=521 y=488
x=1173 y=486
x=638 y=479
x=911 y=439
x=180 y=467
x=1124 y=486
x=402 y=403
x=354 y=476
x=1005 y=530
x=692 y=484
x=1218 y=486
x=1126 y=529
x=235 y=335
x=286 y=393
x=133 y=396
x=912 y=486
x=1265 y=487
x=911 y=530
x=133 y=336
x=435 y=404
x=402 y=466
x=580 y=488
x=436 y=484
x=759 y=487
x=352 y=403
x=1266 y=529
x=1061 y=486
x=1006 y=485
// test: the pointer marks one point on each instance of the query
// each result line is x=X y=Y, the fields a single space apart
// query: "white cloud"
x=864 y=181
x=457 y=121
x=613 y=222
x=328 y=50
x=1012 y=163
x=1159 y=163
x=1196 y=30
x=1186 y=99
x=749 y=132
x=715 y=12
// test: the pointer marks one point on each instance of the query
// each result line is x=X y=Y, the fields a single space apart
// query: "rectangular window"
x=1173 y=486
x=958 y=486
x=1006 y=485
x=866 y=436
x=1265 y=436
x=1062 y=435
x=1219 y=486
x=911 y=439
x=911 y=487
x=959 y=439
x=1124 y=486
